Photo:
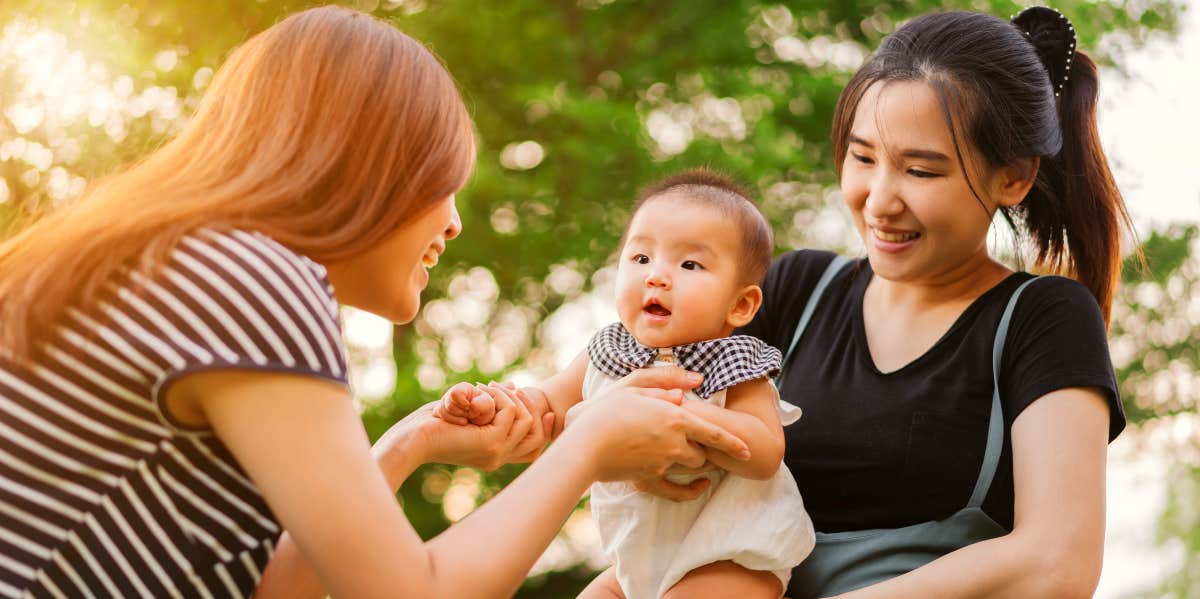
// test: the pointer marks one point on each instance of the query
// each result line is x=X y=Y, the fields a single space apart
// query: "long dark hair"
x=996 y=93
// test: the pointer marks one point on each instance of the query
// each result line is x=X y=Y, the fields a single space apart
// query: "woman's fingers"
x=669 y=490
x=710 y=435
x=444 y=414
x=666 y=377
x=535 y=443
x=506 y=414
x=522 y=421
x=692 y=456
x=674 y=396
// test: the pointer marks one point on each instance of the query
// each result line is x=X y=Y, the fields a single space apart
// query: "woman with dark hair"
x=957 y=412
x=173 y=388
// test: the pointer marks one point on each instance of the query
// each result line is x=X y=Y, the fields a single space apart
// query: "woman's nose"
x=883 y=197
x=455 y=226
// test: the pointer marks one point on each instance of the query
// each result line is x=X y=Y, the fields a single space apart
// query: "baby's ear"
x=745 y=306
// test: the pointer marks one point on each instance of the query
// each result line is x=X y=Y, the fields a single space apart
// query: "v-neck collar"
x=858 y=293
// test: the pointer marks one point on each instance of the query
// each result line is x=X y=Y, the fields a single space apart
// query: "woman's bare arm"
x=302 y=443
x=1056 y=547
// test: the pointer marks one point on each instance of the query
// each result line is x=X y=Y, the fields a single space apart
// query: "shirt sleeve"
x=242 y=301
x=1057 y=340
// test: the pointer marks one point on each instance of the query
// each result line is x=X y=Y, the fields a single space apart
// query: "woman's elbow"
x=1069 y=574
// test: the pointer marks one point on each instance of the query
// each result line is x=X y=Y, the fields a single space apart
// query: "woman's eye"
x=862 y=159
x=922 y=174
x=641 y=259
x=691 y=265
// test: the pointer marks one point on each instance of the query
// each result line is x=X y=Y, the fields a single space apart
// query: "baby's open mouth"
x=655 y=308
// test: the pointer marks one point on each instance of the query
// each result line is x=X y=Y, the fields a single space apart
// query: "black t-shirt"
x=876 y=450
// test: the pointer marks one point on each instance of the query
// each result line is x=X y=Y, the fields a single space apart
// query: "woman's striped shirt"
x=102 y=494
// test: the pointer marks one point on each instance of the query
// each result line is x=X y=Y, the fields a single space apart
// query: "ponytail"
x=1074 y=214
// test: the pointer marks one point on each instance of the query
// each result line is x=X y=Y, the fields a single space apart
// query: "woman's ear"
x=1014 y=180
x=745 y=306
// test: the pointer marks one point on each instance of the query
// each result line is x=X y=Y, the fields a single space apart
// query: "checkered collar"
x=724 y=362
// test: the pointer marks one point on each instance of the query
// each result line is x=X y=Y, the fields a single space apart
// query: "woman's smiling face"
x=906 y=188
x=387 y=279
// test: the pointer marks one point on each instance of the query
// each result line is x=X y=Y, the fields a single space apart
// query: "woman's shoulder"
x=237 y=299
x=805 y=259
x=1057 y=338
x=799 y=268
x=246 y=257
x=1051 y=309
x=1054 y=296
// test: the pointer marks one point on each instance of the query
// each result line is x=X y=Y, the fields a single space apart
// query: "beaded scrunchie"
x=1053 y=36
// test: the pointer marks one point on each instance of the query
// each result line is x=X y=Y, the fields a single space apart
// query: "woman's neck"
x=962 y=283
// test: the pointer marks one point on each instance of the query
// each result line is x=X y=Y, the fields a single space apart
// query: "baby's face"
x=678 y=279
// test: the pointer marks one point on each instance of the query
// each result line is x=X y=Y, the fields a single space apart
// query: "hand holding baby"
x=476 y=404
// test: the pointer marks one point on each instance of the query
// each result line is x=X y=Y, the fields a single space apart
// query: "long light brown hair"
x=324 y=132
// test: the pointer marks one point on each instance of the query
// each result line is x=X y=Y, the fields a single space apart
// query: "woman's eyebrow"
x=907 y=153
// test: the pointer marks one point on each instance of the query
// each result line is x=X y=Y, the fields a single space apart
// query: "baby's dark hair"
x=719 y=191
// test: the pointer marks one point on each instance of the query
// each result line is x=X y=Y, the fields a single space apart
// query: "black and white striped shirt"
x=102 y=494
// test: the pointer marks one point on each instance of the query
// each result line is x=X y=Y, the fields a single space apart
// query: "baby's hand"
x=464 y=404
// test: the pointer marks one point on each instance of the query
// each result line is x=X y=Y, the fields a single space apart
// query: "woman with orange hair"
x=173 y=388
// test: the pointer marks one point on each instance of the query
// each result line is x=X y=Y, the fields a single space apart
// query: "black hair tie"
x=1053 y=36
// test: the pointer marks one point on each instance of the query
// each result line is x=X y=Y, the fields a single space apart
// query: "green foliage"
x=1156 y=347
x=1154 y=337
x=1180 y=524
x=613 y=93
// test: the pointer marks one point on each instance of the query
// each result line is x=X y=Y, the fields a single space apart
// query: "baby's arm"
x=559 y=393
x=463 y=403
x=751 y=414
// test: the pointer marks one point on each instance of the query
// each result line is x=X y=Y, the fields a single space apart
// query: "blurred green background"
x=577 y=104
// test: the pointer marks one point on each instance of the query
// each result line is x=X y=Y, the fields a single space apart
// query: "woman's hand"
x=511 y=434
x=636 y=429
x=668 y=490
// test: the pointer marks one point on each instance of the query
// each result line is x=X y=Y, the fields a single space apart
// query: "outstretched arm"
x=302 y=443
x=559 y=393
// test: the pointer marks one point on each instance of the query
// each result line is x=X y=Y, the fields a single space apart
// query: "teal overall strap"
x=814 y=298
x=995 y=440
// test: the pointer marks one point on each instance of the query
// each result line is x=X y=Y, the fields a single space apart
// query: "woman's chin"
x=408 y=312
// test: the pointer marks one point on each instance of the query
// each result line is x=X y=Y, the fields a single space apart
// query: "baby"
x=692 y=257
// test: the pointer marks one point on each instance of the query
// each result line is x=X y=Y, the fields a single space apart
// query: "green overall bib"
x=844 y=561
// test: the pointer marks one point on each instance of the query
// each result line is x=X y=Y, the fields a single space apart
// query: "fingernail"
x=694 y=377
x=744 y=454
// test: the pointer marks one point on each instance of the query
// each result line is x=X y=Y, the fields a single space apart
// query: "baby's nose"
x=658 y=279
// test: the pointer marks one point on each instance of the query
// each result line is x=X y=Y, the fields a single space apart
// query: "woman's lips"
x=893 y=241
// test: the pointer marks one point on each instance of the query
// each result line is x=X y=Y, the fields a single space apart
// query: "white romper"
x=653 y=542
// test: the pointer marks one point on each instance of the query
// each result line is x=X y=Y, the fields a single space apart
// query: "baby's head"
x=692 y=258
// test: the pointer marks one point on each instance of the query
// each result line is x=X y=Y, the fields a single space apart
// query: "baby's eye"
x=641 y=259
x=692 y=265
